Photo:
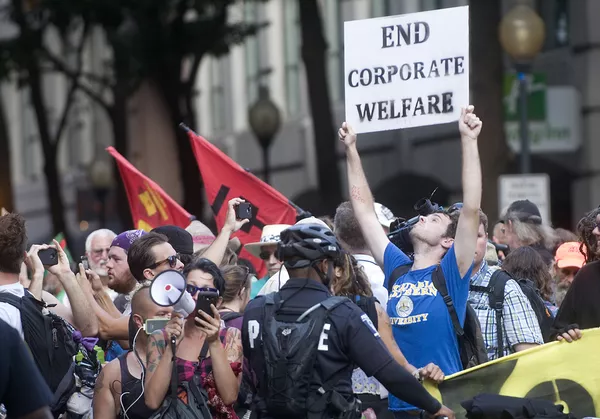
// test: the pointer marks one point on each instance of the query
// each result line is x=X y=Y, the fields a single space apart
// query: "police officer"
x=347 y=337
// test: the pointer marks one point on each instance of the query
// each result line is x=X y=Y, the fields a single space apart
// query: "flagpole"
x=300 y=212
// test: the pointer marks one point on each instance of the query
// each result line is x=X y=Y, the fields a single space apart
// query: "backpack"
x=495 y=291
x=50 y=341
x=494 y=406
x=291 y=387
x=470 y=340
x=173 y=407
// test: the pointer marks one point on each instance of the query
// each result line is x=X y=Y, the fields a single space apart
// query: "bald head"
x=143 y=308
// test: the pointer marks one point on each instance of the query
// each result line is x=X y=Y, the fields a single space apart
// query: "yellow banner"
x=564 y=373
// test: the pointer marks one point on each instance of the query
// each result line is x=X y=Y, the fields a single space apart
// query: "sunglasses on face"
x=266 y=255
x=171 y=260
x=192 y=289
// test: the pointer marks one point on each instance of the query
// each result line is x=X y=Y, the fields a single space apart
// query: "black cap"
x=181 y=240
x=525 y=211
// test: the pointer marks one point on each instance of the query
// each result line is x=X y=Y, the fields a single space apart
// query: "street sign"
x=535 y=187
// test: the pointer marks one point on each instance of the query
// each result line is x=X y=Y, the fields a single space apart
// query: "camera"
x=400 y=227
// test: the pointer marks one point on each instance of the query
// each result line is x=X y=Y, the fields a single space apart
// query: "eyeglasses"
x=192 y=289
x=172 y=260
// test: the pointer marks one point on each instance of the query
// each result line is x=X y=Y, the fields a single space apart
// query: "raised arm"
x=160 y=362
x=86 y=324
x=216 y=250
x=468 y=223
x=37 y=270
x=361 y=197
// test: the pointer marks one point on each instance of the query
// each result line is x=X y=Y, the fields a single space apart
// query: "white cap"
x=384 y=215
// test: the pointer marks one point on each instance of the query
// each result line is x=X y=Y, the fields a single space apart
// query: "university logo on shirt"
x=405 y=304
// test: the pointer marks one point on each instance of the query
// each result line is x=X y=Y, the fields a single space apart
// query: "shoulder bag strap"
x=174 y=375
x=496 y=297
x=396 y=274
x=440 y=284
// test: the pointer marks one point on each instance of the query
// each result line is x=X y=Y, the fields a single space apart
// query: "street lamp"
x=522 y=34
x=101 y=178
x=265 y=119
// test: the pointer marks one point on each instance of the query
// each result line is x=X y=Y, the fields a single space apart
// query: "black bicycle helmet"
x=303 y=244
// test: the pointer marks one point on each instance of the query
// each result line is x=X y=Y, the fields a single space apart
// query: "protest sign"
x=567 y=374
x=406 y=71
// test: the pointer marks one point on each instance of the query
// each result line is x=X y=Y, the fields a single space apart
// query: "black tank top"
x=133 y=387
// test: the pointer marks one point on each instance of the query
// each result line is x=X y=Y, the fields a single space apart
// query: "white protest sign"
x=535 y=188
x=406 y=71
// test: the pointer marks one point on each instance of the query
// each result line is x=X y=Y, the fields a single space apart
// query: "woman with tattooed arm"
x=219 y=370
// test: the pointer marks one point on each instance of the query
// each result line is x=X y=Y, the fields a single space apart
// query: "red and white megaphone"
x=168 y=289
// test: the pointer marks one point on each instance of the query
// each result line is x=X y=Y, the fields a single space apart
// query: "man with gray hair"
x=523 y=226
x=97 y=246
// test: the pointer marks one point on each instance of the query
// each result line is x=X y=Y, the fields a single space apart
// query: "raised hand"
x=469 y=124
x=208 y=324
x=175 y=327
x=347 y=135
x=231 y=221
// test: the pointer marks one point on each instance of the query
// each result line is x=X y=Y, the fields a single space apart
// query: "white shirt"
x=275 y=282
x=8 y=313
x=376 y=277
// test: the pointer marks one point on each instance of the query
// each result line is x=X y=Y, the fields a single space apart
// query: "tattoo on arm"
x=355 y=194
x=233 y=347
x=156 y=349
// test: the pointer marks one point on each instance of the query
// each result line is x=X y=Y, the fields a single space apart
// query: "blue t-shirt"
x=420 y=321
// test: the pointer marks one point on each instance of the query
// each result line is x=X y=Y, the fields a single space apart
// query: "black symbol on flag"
x=220 y=200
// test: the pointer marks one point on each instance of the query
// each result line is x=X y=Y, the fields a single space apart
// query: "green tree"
x=22 y=56
x=162 y=41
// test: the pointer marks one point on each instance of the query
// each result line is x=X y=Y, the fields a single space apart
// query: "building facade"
x=410 y=163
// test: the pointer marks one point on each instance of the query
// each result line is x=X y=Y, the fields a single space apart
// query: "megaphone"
x=168 y=289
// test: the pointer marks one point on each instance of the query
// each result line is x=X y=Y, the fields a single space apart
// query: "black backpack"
x=291 y=386
x=495 y=292
x=172 y=406
x=470 y=340
x=50 y=341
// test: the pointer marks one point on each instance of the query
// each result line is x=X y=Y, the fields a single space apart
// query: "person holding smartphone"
x=205 y=347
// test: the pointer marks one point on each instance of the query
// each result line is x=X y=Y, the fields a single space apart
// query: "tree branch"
x=74 y=78
x=73 y=89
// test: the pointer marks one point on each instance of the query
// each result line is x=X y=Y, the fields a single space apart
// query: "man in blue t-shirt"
x=420 y=321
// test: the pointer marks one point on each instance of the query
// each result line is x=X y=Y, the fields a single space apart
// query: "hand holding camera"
x=239 y=213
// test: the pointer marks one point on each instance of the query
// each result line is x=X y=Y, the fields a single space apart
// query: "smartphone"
x=205 y=299
x=244 y=211
x=49 y=257
x=85 y=263
x=152 y=325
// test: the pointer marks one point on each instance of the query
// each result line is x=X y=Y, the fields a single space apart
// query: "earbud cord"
x=143 y=376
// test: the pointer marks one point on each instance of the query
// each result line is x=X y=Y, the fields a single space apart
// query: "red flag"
x=225 y=179
x=150 y=206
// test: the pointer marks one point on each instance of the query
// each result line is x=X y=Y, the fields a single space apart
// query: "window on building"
x=433 y=4
x=291 y=23
x=555 y=14
x=256 y=50
x=334 y=14
x=218 y=76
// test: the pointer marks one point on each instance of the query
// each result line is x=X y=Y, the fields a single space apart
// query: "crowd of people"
x=344 y=324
